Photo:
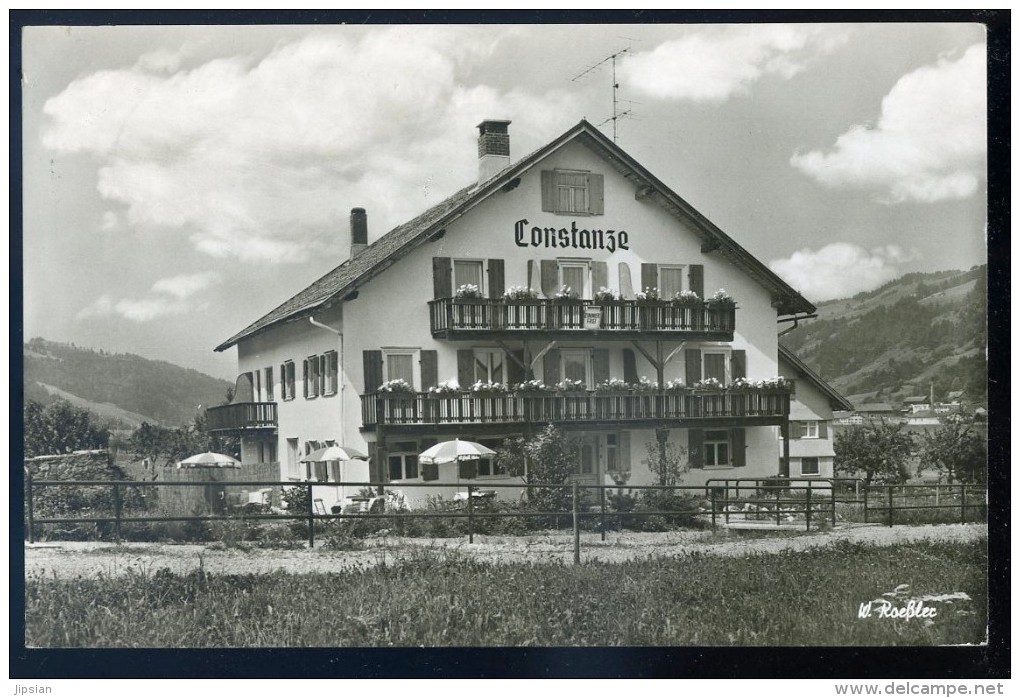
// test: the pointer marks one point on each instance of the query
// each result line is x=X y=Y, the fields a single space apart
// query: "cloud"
x=840 y=269
x=929 y=143
x=262 y=160
x=169 y=298
x=718 y=63
x=186 y=285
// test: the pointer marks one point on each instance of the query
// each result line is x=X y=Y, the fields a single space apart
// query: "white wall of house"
x=809 y=405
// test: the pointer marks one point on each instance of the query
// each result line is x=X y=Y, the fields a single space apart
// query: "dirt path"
x=71 y=559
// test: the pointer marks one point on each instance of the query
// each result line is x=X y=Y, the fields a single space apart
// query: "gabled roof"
x=836 y=401
x=344 y=279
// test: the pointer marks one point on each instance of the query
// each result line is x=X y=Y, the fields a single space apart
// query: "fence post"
x=116 y=511
x=807 y=508
x=866 y=487
x=963 y=503
x=577 y=530
x=602 y=505
x=713 y=494
x=311 y=517
x=889 y=490
x=31 y=513
x=471 y=515
x=779 y=492
x=832 y=499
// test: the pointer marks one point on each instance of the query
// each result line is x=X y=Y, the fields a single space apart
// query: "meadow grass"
x=435 y=598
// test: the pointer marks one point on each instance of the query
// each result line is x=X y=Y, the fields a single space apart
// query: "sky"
x=182 y=181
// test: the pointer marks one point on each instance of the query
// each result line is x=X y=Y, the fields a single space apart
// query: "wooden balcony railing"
x=241 y=416
x=758 y=405
x=451 y=316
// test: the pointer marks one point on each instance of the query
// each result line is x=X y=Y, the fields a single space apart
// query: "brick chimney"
x=359 y=231
x=493 y=147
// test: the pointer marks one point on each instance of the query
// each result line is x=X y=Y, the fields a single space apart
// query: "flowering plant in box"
x=568 y=385
x=604 y=295
x=445 y=388
x=645 y=386
x=468 y=291
x=708 y=384
x=676 y=386
x=397 y=385
x=722 y=299
x=489 y=388
x=686 y=299
x=567 y=294
x=613 y=385
x=520 y=293
x=650 y=293
x=778 y=383
x=532 y=386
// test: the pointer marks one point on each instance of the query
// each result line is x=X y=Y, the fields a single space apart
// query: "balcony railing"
x=756 y=405
x=241 y=416
x=452 y=316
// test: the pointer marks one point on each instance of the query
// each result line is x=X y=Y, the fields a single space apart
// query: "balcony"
x=744 y=407
x=461 y=318
x=241 y=416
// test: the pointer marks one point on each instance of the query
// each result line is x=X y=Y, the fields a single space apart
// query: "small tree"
x=876 y=452
x=548 y=458
x=667 y=460
x=956 y=450
x=61 y=428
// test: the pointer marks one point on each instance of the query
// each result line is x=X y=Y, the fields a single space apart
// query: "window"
x=468 y=271
x=488 y=467
x=403 y=460
x=808 y=466
x=330 y=373
x=293 y=464
x=490 y=366
x=311 y=373
x=810 y=430
x=613 y=453
x=574 y=275
x=400 y=365
x=587 y=455
x=256 y=387
x=287 y=379
x=270 y=397
x=572 y=191
x=717 y=448
x=715 y=366
x=577 y=366
x=671 y=280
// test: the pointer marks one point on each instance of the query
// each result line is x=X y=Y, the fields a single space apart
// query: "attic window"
x=572 y=192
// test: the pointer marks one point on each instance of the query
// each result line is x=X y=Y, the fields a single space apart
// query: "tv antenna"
x=617 y=112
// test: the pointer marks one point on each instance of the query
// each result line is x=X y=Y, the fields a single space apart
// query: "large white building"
x=578 y=214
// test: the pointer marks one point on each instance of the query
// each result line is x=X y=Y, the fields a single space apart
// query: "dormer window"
x=573 y=192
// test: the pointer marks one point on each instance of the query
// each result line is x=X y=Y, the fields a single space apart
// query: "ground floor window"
x=402 y=461
x=491 y=467
x=717 y=448
x=808 y=466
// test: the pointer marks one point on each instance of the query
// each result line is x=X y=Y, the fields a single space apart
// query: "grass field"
x=437 y=598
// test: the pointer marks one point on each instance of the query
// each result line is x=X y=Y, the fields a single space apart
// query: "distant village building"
x=573 y=288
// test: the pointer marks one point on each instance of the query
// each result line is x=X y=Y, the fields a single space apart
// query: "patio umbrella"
x=334 y=453
x=209 y=460
x=455 y=451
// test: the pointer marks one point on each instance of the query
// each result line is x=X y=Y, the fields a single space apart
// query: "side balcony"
x=755 y=407
x=241 y=417
x=462 y=318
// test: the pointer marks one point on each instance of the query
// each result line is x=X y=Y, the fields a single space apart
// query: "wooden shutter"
x=551 y=367
x=373 y=369
x=442 y=277
x=497 y=282
x=429 y=368
x=334 y=367
x=626 y=285
x=738 y=364
x=797 y=430
x=696 y=447
x=465 y=368
x=243 y=391
x=305 y=377
x=696 y=279
x=692 y=366
x=514 y=370
x=467 y=469
x=625 y=451
x=596 y=194
x=629 y=366
x=600 y=365
x=429 y=471
x=549 y=190
x=283 y=382
x=738 y=445
x=550 y=277
x=270 y=387
x=599 y=276
x=823 y=429
x=649 y=275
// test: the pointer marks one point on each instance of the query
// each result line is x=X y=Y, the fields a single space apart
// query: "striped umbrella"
x=454 y=451
x=209 y=460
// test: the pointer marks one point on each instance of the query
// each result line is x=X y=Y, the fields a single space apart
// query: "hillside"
x=898 y=340
x=124 y=388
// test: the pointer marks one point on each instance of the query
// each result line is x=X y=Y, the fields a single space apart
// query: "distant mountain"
x=914 y=333
x=123 y=388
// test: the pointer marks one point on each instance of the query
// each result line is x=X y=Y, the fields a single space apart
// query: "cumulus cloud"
x=841 y=269
x=169 y=297
x=928 y=143
x=715 y=64
x=186 y=285
x=262 y=160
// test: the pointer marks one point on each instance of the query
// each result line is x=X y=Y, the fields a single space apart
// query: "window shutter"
x=823 y=429
x=442 y=277
x=626 y=285
x=514 y=370
x=599 y=275
x=429 y=471
x=465 y=368
x=497 y=283
x=429 y=368
x=550 y=277
x=596 y=194
x=551 y=367
x=243 y=391
x=797 y=430
x=696 y=279
x=305 y=377
x=549 y=190
x=649 y=275
x=629 y=366
x=738 y=444
x=600 y=365
x=373 y=369
x=625 y=451
x=270 y=388
x=283 y=382
x=467 y=469
x=532 y=273
x=334 y=367
x=696 y=447
x=738 y=364
x=692 y=366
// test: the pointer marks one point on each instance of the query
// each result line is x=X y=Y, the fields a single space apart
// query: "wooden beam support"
x=651 y=359
x=502 y=345
x=674 y=352
x=542 y=353
x=644 y=192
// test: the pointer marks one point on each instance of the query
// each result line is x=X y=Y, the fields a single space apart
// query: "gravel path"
x=72 y=559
